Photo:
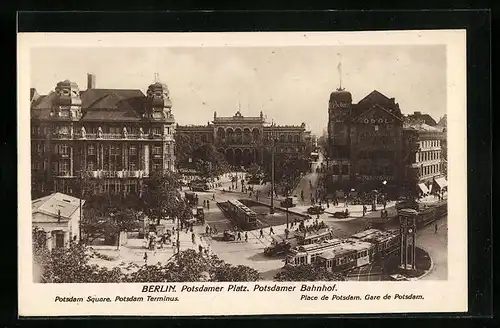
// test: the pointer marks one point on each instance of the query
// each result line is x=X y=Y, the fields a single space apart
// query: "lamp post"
x=272 y=168
x=81 y=196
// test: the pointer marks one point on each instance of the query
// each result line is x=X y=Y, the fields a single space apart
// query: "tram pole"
x=272 y=169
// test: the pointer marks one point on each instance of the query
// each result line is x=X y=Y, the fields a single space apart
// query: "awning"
x=441 y=182
x=423 y=188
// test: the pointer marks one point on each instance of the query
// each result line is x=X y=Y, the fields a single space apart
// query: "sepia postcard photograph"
x=188 y=174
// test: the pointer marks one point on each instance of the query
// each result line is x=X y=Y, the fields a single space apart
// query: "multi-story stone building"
x=424 y=156
x=364 y=142
x=113 y=137
x=244 y=140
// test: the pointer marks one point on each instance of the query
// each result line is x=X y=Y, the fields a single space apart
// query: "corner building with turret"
x=365 y=143
x=111 y=137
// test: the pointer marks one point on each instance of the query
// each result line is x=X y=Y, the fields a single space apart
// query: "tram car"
x=244 y=217
x=352 y=253
x=384 y=242
x=334 y=254
x=429 y=214
x=307 y=254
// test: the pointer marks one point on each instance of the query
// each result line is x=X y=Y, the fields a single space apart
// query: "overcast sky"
x=289 y=84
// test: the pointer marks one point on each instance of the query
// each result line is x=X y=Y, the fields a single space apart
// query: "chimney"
x=90 y=81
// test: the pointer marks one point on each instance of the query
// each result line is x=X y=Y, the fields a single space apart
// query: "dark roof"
x=111 y=98
x=99 y=104
x=375 y=98
x=341 y=95
x=426 y=118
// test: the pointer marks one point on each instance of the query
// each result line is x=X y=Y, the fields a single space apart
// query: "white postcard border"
x=439 y=296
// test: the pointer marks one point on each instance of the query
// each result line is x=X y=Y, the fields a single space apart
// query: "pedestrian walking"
x=207 y=230
x=435 y=228
x=271 y=231
x=200 y=248
x=193 y=238
x=261 y=233
x=145 y=258
x=213 y=196
x=246 y=236
x=287 y=232
x=239 y=236
x=208 y=205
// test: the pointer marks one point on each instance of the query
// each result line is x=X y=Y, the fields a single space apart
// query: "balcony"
x=57 y=135
x=111 y=136
x=101 y=174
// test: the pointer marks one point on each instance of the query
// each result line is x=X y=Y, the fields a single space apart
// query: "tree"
x=228 y=272
x=108 y=215
x=307 y=272
x=161 y=197
x=209 y=161
x=70 y=264
x=184 y=148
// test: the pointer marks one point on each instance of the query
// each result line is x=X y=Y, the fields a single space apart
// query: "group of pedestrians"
x=238 y=236
x=261 y=232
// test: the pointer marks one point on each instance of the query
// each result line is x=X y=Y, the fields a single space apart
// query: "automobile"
x=254 y=181
x=316 y=210
x=340 y=215
x=289 y=202
x=278 y=248
x=199 y=214
x=228 y=236
x=199 y=187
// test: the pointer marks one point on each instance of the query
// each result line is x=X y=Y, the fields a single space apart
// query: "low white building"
x=58 y=216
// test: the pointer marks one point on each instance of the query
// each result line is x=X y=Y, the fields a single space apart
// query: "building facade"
x=424 y=155
x=365 y=142
x=246 y=140
x=57 y=217
x=112 y=137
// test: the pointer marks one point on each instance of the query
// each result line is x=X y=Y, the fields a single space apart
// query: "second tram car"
x=384 y=242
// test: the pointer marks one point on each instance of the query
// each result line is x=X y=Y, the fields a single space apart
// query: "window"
x=133 y=150
x=156 y=131
x=157 y=150
x=63 y=149
x=157 y=166
x=132 y=166
x=91 y=150
x=63 y=168
x=376 y=127
x=91 y=166
x=114 y=150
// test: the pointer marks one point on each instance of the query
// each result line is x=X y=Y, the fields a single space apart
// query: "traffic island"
x=423 y=264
